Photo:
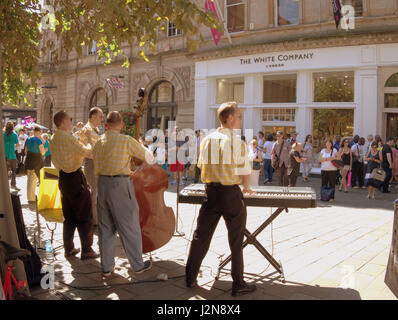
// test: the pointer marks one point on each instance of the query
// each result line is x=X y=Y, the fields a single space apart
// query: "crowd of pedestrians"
x=26 y=152
x=348 y=162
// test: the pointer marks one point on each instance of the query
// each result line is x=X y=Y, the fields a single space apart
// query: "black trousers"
x=388 y=177
x=20 y=156
x=282 y=176
x=292 y=180
x=47 y=161
x=328 y=178
x=12 y=165
x=77 y=209
x=225 y=201
x=357 y=174
x=197 y=174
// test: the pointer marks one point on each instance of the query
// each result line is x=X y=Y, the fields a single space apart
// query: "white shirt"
x=252 y=153
x=260 y=144
x=22 y=139
x=268 y=145
x=362 y=152
x=327 y=165
x=355 y=151
x=161 y=155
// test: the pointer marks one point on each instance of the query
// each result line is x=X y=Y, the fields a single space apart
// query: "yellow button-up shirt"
x=113 y=152
x=223 y=158
x=67 y=153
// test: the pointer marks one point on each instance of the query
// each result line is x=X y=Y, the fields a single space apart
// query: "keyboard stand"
x=251 y=239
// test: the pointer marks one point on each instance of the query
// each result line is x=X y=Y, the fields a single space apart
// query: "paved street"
x=334 y=251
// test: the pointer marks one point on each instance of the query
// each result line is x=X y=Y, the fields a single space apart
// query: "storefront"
x=324 y=92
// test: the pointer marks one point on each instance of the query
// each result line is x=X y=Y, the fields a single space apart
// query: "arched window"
x=391 y=105
x=163 y=92
x=162 y=107
x=99 y=99
x=392 y=81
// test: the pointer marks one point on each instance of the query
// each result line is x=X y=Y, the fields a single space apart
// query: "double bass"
x=157 y=221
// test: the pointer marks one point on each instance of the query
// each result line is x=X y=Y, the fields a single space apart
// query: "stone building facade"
x=278 y=61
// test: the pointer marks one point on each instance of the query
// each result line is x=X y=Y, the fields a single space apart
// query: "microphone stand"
x=178 y=233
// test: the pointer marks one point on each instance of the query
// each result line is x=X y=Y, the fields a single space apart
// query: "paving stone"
x=316 y=246
x=372 y=269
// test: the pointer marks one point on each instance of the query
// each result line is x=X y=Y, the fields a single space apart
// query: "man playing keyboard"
x=224 y=166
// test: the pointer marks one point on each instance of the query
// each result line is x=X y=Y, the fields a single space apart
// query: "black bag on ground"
x=33 y=263
x=327 y=193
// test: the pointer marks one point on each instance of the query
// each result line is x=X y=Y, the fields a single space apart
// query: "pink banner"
x=209 y=5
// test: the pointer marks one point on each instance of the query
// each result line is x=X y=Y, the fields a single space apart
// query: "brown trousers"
x=77 y=209
x=282 y=176
x=225 y=201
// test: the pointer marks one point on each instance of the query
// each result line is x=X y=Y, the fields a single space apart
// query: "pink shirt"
x=395 y=161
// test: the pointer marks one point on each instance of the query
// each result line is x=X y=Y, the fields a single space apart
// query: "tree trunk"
x=8 y=231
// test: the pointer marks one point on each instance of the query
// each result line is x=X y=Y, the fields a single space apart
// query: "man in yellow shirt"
x=67 y=156
x=117 y=206
x=224 y=165
x=95 y=118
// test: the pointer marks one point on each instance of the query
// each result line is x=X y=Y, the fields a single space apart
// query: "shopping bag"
x=349 y=179
x=378 y=174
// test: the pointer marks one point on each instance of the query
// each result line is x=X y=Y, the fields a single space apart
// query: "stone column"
x=304 y=96
x=204 y=95
x=253 y=96
x=366 y=115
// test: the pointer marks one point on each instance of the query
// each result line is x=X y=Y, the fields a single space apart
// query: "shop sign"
x=277 y=61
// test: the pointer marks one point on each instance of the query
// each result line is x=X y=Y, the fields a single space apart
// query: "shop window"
x=392 y=81
x=356 y=4
x=235 y=15
x=334 y=87
x=279 y=89
x=391 y=100
x=230 y=90
x=332 y=122
x=274 y=129
x=288 y=115
x=172 y=30
x=288 y=12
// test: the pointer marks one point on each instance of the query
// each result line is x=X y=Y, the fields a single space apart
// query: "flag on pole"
x=336 y=12
x=209 y=5
x=114 y=83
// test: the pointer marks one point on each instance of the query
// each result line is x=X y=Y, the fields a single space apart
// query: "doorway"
x=392 y=125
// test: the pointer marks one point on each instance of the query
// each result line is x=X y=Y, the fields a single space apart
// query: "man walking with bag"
x=280 y=158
